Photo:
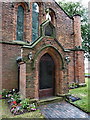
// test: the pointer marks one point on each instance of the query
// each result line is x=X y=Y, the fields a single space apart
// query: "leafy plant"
x=0 y=95
x=5 y=93
x=13 y=110
x=17 y=105
x=9 y=95
x=16 y=97
x=25 y=103
x=10 y=100
x=29 y=108
x=33 y=107
x=73 y=85
x=0 y=92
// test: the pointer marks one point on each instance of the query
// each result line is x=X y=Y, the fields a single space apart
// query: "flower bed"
x=16 y=104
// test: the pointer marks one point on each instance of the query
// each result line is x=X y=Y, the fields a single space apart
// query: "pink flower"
x=9 y=95
x=0 y=96
x=33 y=109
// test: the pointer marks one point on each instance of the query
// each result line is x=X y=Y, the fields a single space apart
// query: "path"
x=62 y=110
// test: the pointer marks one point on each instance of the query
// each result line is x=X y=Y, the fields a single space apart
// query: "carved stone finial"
x=48 y=17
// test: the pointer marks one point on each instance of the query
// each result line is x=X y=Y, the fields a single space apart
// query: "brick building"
x=41 y=48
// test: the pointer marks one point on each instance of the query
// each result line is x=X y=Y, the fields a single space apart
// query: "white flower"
x=13 y=89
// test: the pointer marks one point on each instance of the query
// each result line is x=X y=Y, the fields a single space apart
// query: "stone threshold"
x=49 y=100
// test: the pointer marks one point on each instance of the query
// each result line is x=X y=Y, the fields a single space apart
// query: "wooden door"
x=46 y=76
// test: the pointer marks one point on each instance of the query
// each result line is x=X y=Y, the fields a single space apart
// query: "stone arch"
x=58 y=70
x=23 y=4
x=43 y=49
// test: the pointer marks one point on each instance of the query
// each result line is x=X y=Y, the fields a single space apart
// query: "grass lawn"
x=84 y=94
x=5 y=112
x=87 y=73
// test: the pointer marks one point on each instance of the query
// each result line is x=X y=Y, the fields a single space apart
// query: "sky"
x=84 y=2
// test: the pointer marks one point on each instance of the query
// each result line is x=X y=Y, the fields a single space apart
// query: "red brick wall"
x=64 y=26
x=67 y=34
x=0 y=67
x=70 y=66
x=77 y=30
x=9 y=66
x=79 y=67
x=9 y=24
x=32 y=74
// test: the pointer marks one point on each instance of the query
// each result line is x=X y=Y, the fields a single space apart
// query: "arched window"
x=20 y=23
x=35 y=21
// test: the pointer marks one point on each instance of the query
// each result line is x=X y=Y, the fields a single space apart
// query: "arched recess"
x=58 y=70
x=51 y=16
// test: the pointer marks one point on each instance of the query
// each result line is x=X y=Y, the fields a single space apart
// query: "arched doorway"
x=46 y=76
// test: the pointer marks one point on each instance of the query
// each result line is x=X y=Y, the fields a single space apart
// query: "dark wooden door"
x=46 y=76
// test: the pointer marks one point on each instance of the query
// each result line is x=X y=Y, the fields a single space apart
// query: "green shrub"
x=16 y=97
x=5 y=93
x=25 y=103
x=73 y=85
x=0 y=92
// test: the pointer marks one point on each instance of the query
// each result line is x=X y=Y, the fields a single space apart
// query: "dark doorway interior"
x=46 y=76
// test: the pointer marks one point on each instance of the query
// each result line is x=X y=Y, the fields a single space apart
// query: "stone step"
x=49 y=100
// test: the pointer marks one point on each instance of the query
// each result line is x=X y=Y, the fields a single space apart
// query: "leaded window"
x=35 y=19
x=20 y=23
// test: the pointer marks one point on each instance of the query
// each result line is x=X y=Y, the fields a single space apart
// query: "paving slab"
x=63 y=110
